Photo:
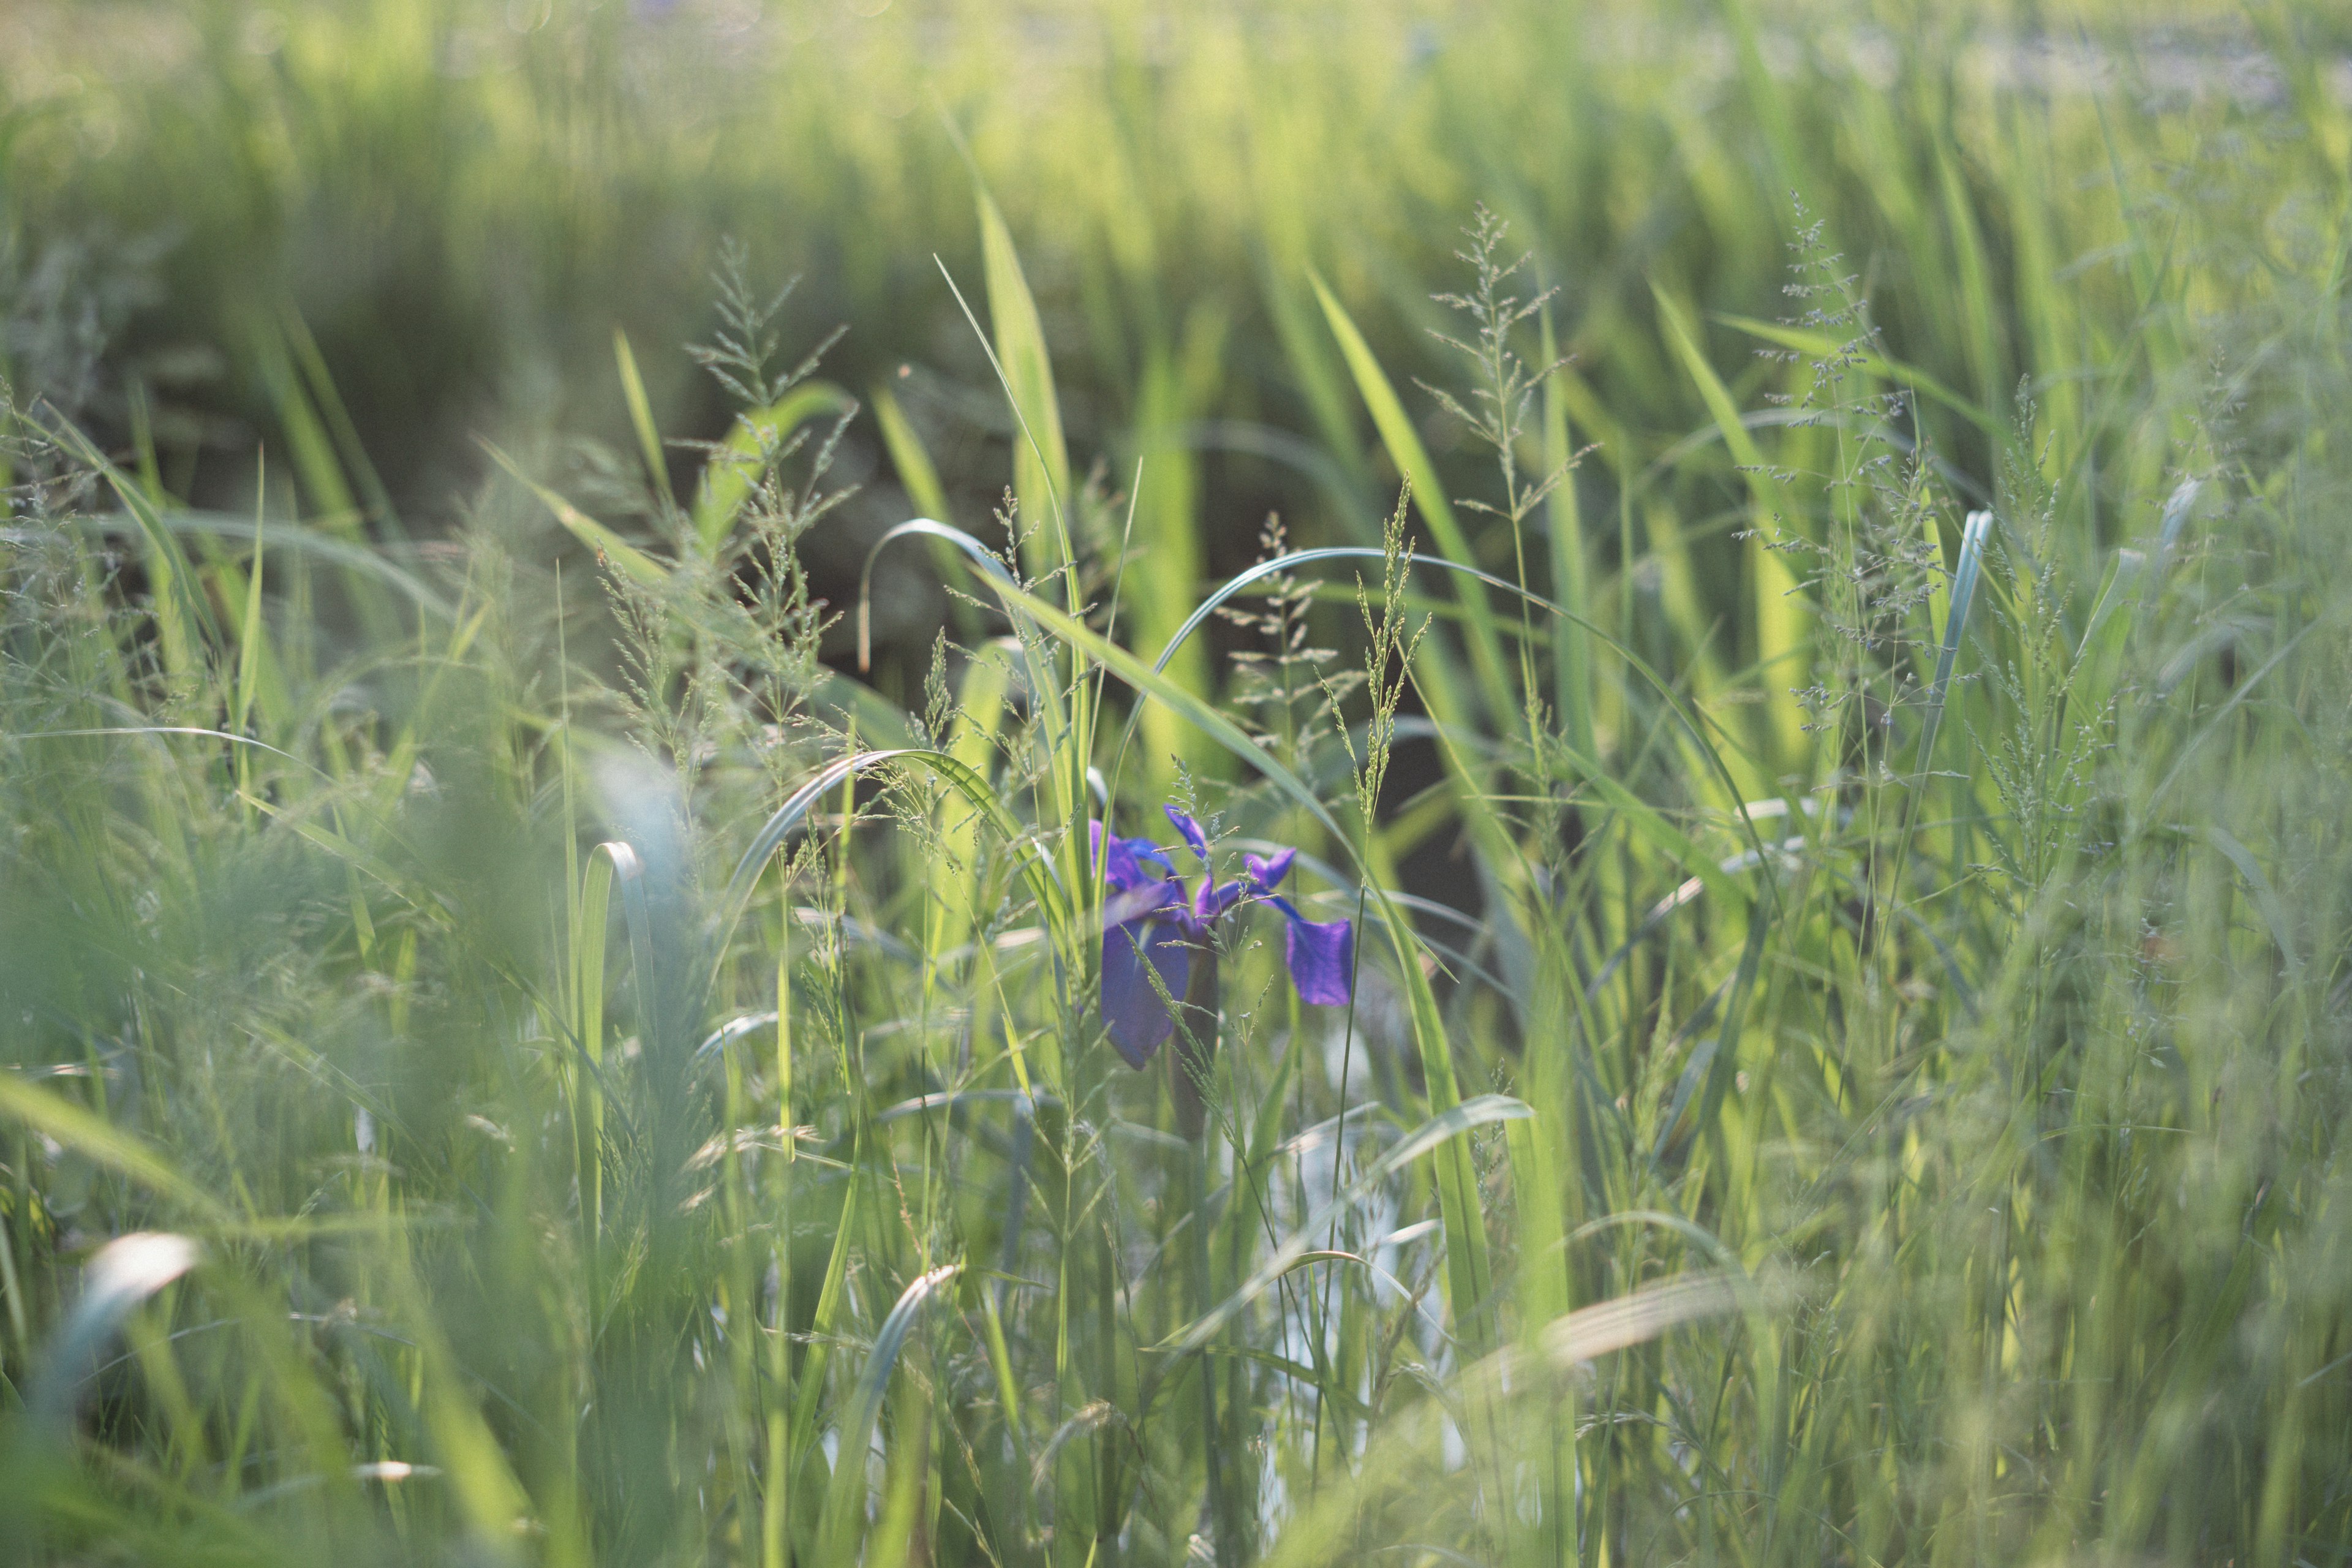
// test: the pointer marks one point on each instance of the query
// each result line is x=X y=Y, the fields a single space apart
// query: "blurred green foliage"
x=461 y=203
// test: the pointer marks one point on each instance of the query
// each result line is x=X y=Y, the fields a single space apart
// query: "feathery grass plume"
x=1501 y=399
x=1391 y=637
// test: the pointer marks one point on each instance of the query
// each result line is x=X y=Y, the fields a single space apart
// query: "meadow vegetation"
x=560 y=896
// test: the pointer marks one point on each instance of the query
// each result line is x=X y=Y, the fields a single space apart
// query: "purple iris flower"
x=1153 y=927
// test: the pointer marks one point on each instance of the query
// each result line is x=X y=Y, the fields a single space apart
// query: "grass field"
x=1779 y=565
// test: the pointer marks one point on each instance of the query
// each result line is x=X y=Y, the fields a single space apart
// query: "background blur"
x=458 y=203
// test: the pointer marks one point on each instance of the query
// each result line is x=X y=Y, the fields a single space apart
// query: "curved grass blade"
x=167 y=730
x=789 y=815
x=182 y=613
x=843 y=1519
x=1642 y=1315
x=616 y=861
x=92 y=1135
x=124 y=1273
x=283 y=535
x=2266 y=899
x=918 y=527
x=611 y=861
x=1820 y=346
x=1043 y=687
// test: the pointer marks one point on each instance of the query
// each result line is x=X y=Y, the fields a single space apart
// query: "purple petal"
x=1264 y=876
x=1127 y=863
x=1133 y=1011
x=1210 y=903
x=1322 y=957
x=1191 y=832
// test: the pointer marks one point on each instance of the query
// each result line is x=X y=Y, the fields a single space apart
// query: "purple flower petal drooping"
x=1135 y=1011
x=1322 y=955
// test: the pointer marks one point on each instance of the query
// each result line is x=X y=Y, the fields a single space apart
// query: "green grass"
x=516 y=1051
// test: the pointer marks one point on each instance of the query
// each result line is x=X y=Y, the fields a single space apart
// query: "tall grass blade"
x=340 y=423
x=641 y=419
x=1783 y=636
x=1041 y=460
x=609 y=546
x=1572 y=673
x=1412 y=459
x=1965 y=573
